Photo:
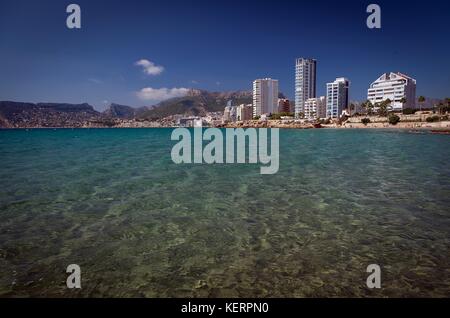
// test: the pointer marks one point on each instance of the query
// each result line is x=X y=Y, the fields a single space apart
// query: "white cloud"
x=95 y=80
x=149 y=67
x=159 y=94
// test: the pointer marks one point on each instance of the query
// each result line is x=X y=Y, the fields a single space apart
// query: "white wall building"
x=244 y=112
x=305 y=83
x=265 y=96
x=393 y=86
x=337 y=97
x=315 y=108
x=230 y=114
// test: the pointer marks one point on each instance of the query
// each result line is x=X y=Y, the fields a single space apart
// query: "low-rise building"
x=399 y=88
x=315 y=108
x=284 y=105
x=244 y=112
x=230 y=114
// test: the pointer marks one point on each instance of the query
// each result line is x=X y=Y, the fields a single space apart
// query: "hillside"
x=197 y=103
x=123 y=111
x=24 y=115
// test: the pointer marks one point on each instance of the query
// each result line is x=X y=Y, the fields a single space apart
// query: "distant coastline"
x=443 y=126
x=62 y=115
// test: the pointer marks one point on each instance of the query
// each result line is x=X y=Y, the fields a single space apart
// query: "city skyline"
x=134 y=54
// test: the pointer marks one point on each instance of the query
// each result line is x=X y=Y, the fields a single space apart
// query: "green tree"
x=383 y=107
x=408 y=111
x=421 y=101
x=369 y=108
x=440 y=108
x=432 y=119
x=393 y=119
x=351 y=108
x=365 y=121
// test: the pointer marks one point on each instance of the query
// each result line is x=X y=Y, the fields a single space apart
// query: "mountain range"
x=196 y=102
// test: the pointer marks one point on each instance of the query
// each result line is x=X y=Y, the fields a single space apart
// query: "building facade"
x=284 y=106
x=244 y=112
x=315 y=108
x=305 y=83
x=265 y=96
x=395 y=87
x=337 y=97
x=230 y=113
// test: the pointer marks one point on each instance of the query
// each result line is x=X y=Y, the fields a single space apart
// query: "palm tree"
x=351 y=108
x=440 y=108
x=403 y=101
x=383 y=107
x=421 y=101
x=388 y=104
x=368 y=107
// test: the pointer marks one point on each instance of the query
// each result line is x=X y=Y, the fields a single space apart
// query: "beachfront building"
x=189 y=122
x=230 y=113
x=337 y=97
x=284 y=105
x=315 y=108
x=265 y=96
x=244 y=112
x=399 y=88
x=305 y=83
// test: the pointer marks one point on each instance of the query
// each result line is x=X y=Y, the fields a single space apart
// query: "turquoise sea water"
x=112 y=201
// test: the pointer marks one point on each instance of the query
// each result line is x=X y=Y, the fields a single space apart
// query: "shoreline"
x=437 y=129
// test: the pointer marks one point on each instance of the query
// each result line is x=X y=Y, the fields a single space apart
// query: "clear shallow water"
x=113 y=202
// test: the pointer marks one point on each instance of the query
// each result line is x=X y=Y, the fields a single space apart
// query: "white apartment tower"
x=337 y=97
x=395 y=87
x=315 y=108
x=265 y=96
x=305 y=83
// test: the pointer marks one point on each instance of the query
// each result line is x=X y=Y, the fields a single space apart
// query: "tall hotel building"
x=265 y=96
x=337 y=97
x=393 y=86
x=305 y=83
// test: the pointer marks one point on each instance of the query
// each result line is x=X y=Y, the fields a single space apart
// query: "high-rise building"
x=305 y=83
x=265 y=96
x=337 y=97
x=395 y=87
x=315 y=108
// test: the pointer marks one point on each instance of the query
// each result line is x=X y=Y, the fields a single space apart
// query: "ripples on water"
x=113 y=202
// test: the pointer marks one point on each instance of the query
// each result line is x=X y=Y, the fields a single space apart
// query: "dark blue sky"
x=214 y=45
